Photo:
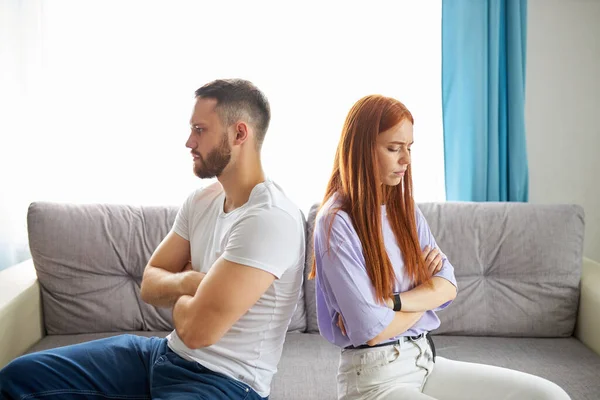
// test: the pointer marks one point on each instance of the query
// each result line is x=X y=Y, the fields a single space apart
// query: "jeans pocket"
x=241 y=385
x=375 y=368
x=370 y=360
x=424 y=358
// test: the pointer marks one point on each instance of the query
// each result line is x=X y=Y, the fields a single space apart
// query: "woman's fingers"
x=340 y=324
x=439 y=263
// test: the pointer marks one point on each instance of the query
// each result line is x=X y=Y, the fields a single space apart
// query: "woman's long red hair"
x=359 y=193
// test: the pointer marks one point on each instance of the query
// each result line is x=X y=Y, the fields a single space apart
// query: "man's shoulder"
x=205 y=194
x=269 y=199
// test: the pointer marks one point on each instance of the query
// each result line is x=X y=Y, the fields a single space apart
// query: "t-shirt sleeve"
x=342 y=273
x=181 y=226
x=426 y=239
x=268 y=239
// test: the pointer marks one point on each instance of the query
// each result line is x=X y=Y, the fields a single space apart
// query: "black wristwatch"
x=397 y=302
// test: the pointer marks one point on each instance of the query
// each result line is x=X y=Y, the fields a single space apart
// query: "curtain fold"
x=483 y=99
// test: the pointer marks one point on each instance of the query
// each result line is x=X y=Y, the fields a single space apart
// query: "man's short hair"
x=237 y=98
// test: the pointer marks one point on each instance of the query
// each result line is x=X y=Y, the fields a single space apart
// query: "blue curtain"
x=483 y=94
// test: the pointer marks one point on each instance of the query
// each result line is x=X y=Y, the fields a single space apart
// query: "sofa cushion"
x=518 y=267
x=564 y=361
x=90 y=260
x=308 y=365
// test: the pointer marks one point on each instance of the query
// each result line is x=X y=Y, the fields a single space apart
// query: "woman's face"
x=393 y=152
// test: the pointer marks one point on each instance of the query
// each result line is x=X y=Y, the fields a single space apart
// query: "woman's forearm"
x=424 y=297
x=415 y=303
x=402 y=322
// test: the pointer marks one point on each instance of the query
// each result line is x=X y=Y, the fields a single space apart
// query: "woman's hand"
x=340 y=324
x=433 y=259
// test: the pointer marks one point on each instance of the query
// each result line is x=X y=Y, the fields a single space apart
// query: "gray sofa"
x=523 y=302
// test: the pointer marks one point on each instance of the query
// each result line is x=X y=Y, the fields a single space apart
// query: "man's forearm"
x=162 y=288
x=181 y=318
x=185 y=318
x=425 y=297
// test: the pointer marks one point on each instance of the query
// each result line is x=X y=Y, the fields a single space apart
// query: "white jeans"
x=407 y=371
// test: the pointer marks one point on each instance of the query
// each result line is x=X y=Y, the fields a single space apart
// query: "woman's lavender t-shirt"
x=344 y=287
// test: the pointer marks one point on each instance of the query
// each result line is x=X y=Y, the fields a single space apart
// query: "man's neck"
x=238 y=184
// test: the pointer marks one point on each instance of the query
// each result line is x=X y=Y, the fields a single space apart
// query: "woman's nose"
x=404 y=158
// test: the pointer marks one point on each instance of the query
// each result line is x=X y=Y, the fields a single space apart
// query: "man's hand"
x=433 y=259
x=169 y=273
x=191 y=281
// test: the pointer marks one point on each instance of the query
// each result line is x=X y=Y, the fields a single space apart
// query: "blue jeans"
x=125 y=367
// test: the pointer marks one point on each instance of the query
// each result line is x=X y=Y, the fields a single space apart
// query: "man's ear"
x=241 y=133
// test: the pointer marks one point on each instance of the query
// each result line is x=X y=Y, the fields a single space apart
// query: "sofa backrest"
x=518 y=267
x=90 y=260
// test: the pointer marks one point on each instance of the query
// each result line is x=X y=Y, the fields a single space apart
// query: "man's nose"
x=190 y=143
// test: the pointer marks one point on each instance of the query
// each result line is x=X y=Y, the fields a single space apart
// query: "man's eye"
x=199 y=130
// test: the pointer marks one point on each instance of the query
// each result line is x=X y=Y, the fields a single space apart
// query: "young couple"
x=231 y=269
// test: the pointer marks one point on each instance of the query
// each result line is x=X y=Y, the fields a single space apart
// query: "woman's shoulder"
x=331 y=212
x=332 y=216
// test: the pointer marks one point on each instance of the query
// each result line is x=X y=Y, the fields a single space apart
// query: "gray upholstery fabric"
x=90 y=260
x=309 y=363
x=564 y=361
x=298 y=322
x=518 y=267
x=307 y=369
x=309 y=285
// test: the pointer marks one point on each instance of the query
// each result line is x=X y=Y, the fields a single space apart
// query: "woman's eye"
x=393 y=150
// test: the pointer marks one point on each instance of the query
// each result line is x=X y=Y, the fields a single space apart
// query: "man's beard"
x=215 y=162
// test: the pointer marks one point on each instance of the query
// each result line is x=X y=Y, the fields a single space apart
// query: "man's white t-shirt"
x=265 y=233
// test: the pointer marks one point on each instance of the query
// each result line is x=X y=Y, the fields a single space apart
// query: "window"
x=113 y=90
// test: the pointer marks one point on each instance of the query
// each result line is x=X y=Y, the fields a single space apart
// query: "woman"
x=380 y=277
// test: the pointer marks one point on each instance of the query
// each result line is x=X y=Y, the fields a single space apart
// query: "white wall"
x=563 y=108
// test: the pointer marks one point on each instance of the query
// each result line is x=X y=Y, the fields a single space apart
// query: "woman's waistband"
x=393 y=342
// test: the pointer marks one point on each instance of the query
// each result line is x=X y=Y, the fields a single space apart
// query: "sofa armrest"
x=588 y=320
x=20 y=311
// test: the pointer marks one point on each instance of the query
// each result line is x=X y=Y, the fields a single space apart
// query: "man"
x=231 y=268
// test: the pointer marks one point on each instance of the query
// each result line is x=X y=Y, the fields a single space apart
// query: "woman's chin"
x=393 y=181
